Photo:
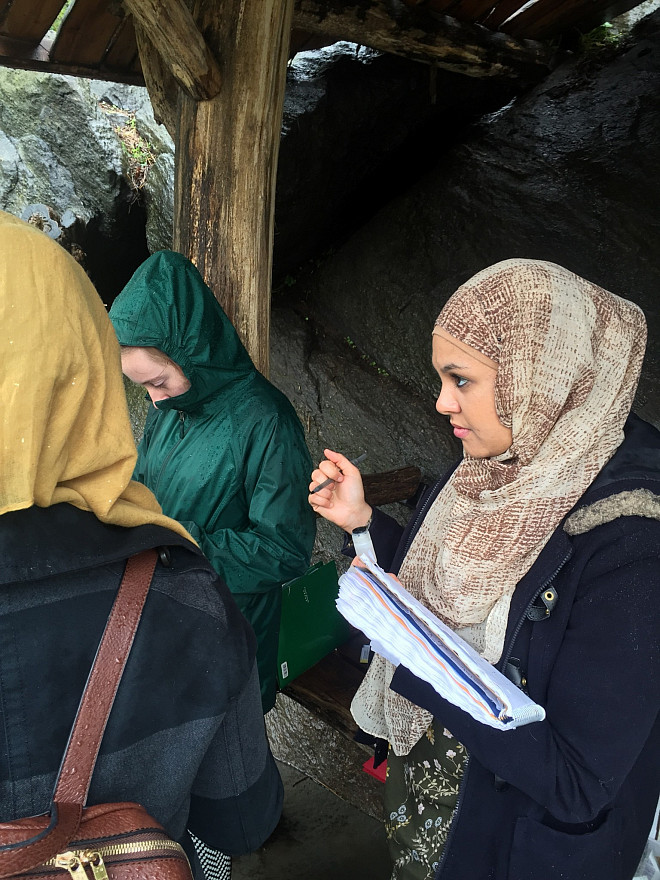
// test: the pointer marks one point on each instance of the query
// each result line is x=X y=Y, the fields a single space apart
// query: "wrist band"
x=362 y=542
x=365 y=528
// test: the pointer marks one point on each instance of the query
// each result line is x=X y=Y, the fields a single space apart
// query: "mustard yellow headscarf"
x=65 y=434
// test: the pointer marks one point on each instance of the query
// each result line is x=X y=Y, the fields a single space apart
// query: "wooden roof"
x=97 y=38
x=536 y=20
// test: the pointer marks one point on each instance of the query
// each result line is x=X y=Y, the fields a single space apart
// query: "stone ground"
x=320 y=837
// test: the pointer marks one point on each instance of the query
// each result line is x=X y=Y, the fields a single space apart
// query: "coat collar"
x=40 y=542
x=634 y=465
x=627 y=485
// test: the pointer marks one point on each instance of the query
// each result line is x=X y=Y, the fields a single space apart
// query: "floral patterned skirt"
x=420 y=796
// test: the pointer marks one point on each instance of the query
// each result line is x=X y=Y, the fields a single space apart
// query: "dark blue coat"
x=186 y=736
x=573 y=796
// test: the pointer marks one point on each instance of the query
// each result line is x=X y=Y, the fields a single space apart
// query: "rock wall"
x=568 y=174
x=345 y=402
x=358 y=127
x=58 y=147
x=304 y=741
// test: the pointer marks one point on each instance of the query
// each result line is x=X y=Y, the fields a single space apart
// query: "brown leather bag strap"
x=99 y=694
x=87 y=732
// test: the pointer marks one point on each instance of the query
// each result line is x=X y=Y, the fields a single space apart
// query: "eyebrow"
x=449 y=368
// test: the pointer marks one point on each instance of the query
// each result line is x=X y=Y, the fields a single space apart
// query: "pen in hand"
x=327 y=482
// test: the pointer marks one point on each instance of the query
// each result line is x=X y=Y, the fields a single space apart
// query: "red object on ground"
x=380 y=772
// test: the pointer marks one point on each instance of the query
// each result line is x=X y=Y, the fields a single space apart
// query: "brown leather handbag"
x=107 y=841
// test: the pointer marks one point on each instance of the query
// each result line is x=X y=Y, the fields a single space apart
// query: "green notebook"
x=311 y=626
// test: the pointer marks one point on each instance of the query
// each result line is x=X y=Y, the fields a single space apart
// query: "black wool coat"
x=573 y=796
x=186 y=736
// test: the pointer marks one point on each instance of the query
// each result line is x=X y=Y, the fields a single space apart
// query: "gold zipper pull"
x=96 y=863
x=71 y=861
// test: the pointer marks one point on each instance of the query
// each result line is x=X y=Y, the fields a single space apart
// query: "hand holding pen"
x=336 y=491
x=354 y=462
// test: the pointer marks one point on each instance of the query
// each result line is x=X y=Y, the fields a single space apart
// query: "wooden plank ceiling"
x=535 y=20
x=96 y=37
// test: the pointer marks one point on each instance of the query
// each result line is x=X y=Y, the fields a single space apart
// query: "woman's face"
x=160 y=376
x=468 y=398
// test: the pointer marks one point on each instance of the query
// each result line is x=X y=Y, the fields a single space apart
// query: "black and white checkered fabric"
x=215 y=864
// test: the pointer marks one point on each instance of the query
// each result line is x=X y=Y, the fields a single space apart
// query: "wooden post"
x=226 y=162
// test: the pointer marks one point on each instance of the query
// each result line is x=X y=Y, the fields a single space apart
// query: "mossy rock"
x=138 y=407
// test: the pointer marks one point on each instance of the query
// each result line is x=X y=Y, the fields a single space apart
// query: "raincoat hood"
x=228 y=457
x=166 y=305
x=65 y=433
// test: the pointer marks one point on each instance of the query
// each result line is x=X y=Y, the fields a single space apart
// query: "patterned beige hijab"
x=569 y=356
x=65 y=434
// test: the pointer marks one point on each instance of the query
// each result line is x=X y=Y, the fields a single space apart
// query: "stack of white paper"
x=405 y=632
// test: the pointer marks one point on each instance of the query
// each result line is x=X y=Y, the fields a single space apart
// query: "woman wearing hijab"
x=185 y=736
x=541 y=549
x=223 y=450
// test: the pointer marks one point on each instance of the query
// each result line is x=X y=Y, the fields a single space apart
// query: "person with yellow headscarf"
x=185 y=737
x=541 y=549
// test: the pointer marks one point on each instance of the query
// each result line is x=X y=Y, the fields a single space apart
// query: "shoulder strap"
x=85 y=738
x=87 y=732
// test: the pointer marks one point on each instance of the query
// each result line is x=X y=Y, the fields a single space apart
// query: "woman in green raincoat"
x=223 y=449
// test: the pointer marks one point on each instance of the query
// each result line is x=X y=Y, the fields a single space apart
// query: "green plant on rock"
x=372 y=363
x=605 y=36
x=137 y=150
x=138 y=406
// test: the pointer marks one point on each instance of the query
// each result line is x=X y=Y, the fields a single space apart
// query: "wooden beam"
x=544 y=13
x=226 y=162
x=501 y=12
x=388 y=486
x=171 y=29
x=162 y=87
x=327 y=690
x=122 y=52
x=391 y=26
x=471 y=10
x=546 y=20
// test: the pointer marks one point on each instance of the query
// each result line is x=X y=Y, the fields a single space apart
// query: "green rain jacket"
x=228 y=457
